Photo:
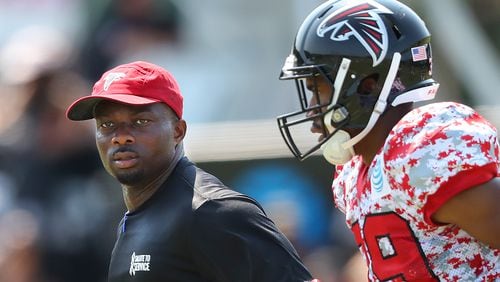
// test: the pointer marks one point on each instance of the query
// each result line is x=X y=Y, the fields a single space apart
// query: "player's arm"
x=475 y=210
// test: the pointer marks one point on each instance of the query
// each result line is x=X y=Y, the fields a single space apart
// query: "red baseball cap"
x=136 y=83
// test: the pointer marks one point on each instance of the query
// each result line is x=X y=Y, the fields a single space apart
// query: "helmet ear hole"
x=396 y=31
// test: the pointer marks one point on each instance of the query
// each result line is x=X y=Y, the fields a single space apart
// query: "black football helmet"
x=346 y=42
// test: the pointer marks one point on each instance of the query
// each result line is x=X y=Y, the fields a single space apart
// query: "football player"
x=419 y=185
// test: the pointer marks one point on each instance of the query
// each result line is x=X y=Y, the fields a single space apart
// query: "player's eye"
x=142 y=121
x=106 y=124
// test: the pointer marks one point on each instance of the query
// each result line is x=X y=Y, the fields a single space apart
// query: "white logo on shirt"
x=139 y=263
x=378 y=180
x=112 y=77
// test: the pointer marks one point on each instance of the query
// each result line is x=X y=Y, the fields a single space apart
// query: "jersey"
x=433 y=153
x=196 y=229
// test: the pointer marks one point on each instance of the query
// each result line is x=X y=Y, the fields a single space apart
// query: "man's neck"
x=135 y=196
x=370 y=145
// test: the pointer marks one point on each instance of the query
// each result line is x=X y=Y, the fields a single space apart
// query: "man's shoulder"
x=215 y=204
x=435 y=124
x=206 y=187
x=435 y=142
x=442 y=115
x=209 y=187
x=437 y=114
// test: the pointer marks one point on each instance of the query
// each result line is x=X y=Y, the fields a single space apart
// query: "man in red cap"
x=181 y=224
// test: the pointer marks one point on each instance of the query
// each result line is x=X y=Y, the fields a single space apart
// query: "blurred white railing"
x=257 y=139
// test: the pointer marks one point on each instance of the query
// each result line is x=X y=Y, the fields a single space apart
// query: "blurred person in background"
x=181 y=223
x=54 y=174
x=418 y=185
x=119 y=29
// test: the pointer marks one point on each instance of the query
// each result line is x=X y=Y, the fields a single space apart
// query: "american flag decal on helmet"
x=362 y=20
x=419 y=53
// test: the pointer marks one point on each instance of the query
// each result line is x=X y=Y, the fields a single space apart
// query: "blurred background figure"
x=20 y=259
x=58 y=206
x=117 y=30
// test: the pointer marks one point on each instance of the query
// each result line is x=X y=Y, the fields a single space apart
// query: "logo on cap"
x=112 y=77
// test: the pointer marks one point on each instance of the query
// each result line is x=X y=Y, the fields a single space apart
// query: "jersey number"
x=393 y=249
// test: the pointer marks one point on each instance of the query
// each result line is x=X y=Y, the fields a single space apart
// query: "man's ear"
x=180 y=130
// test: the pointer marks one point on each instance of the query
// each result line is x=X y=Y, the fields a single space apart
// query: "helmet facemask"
x=296 y=127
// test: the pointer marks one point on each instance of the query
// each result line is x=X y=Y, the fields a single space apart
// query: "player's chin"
x=316 y=127
x=318 y=130
x=129 y=176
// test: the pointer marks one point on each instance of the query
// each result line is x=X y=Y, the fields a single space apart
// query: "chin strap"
x=339 y=80
x=381 y=102
x=337 y=85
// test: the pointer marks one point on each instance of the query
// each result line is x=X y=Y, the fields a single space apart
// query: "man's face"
x=136 y=143
x=362 y=102
x=321 y=93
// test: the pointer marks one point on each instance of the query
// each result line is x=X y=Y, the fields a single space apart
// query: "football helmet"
x=372 y=54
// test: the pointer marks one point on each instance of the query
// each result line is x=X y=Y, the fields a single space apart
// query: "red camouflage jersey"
x=433 y=153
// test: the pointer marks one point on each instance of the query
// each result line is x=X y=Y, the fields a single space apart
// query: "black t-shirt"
x=196 y=229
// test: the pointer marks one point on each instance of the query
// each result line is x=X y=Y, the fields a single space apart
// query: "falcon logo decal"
x=361 y=20
x=112 y=77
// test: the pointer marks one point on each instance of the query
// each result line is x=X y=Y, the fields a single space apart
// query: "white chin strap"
x=333 y=151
